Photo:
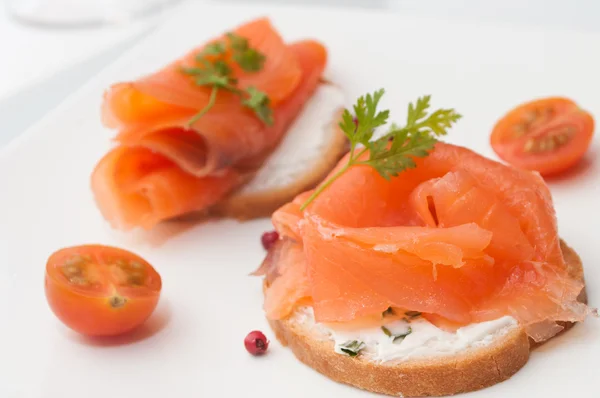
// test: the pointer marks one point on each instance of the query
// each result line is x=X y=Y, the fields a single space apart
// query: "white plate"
x=192 y=346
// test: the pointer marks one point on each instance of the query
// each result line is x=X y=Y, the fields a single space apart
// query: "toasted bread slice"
x=469 y=370
x=310 y=149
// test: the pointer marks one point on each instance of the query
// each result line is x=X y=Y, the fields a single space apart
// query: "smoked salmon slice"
x=162 y=167
x=460 y=238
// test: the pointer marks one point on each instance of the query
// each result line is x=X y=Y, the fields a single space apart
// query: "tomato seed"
x=520 y=129
x=531 y=118
x=75 y=261
x=136 y=278
x=117 y=301
x=72 y=270
x=121 y=263
x=529 y=145
x=78 y=280
x=549 y=143
x=561 y=139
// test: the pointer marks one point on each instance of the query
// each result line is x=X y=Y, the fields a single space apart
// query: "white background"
x=39 y=67
x=192 y=347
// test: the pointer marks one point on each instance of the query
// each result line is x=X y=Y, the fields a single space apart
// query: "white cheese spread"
x=303 y=143
x=423 y=340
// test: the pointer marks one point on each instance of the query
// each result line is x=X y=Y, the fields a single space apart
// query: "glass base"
x=83 y=13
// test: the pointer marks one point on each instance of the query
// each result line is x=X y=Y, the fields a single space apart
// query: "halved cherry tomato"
x=99 y=290
x=547 y=135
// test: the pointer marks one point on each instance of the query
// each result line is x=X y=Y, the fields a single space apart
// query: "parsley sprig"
x=415 y=139
x=213 y=71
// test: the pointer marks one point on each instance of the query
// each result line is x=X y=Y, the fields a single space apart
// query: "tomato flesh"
x=548 y=135
x=99 y=290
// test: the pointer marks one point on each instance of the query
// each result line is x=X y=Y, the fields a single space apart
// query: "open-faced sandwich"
x=419 y=268
x=238 y=127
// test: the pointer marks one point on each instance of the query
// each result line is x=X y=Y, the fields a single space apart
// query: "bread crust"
x=469 y=371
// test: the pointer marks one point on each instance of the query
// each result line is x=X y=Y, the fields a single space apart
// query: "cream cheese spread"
x=423 y=339
x=303 y=143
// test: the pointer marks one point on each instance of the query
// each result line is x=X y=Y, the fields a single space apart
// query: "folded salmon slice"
x=161 y=104
x=137 y=187
x=460 y=237
x=292 y=287
x=168 y=89
x=214 y=155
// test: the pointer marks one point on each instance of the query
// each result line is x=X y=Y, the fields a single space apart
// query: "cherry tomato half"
x=547 y=135
x=100 y=290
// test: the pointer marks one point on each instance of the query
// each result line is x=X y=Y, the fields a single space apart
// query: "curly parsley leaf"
x=216 y=48
x=214 y=71
x=249 y=59
x=414 y=140
x=259 y=102
x=360 y=128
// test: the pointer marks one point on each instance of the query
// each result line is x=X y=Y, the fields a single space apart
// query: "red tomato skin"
x=94 y=316
x=90 y=311
x=553 y=162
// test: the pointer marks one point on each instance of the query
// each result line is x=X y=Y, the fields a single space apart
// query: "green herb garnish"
x=352 y=348
x=415 y=139
x=401 y=336
x=247 y=58
x=396 y=337
x=389 y=311
x=213 y=71
x=259 y=102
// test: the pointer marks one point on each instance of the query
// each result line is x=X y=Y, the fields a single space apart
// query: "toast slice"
x=469 y=370
x=311 y=148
